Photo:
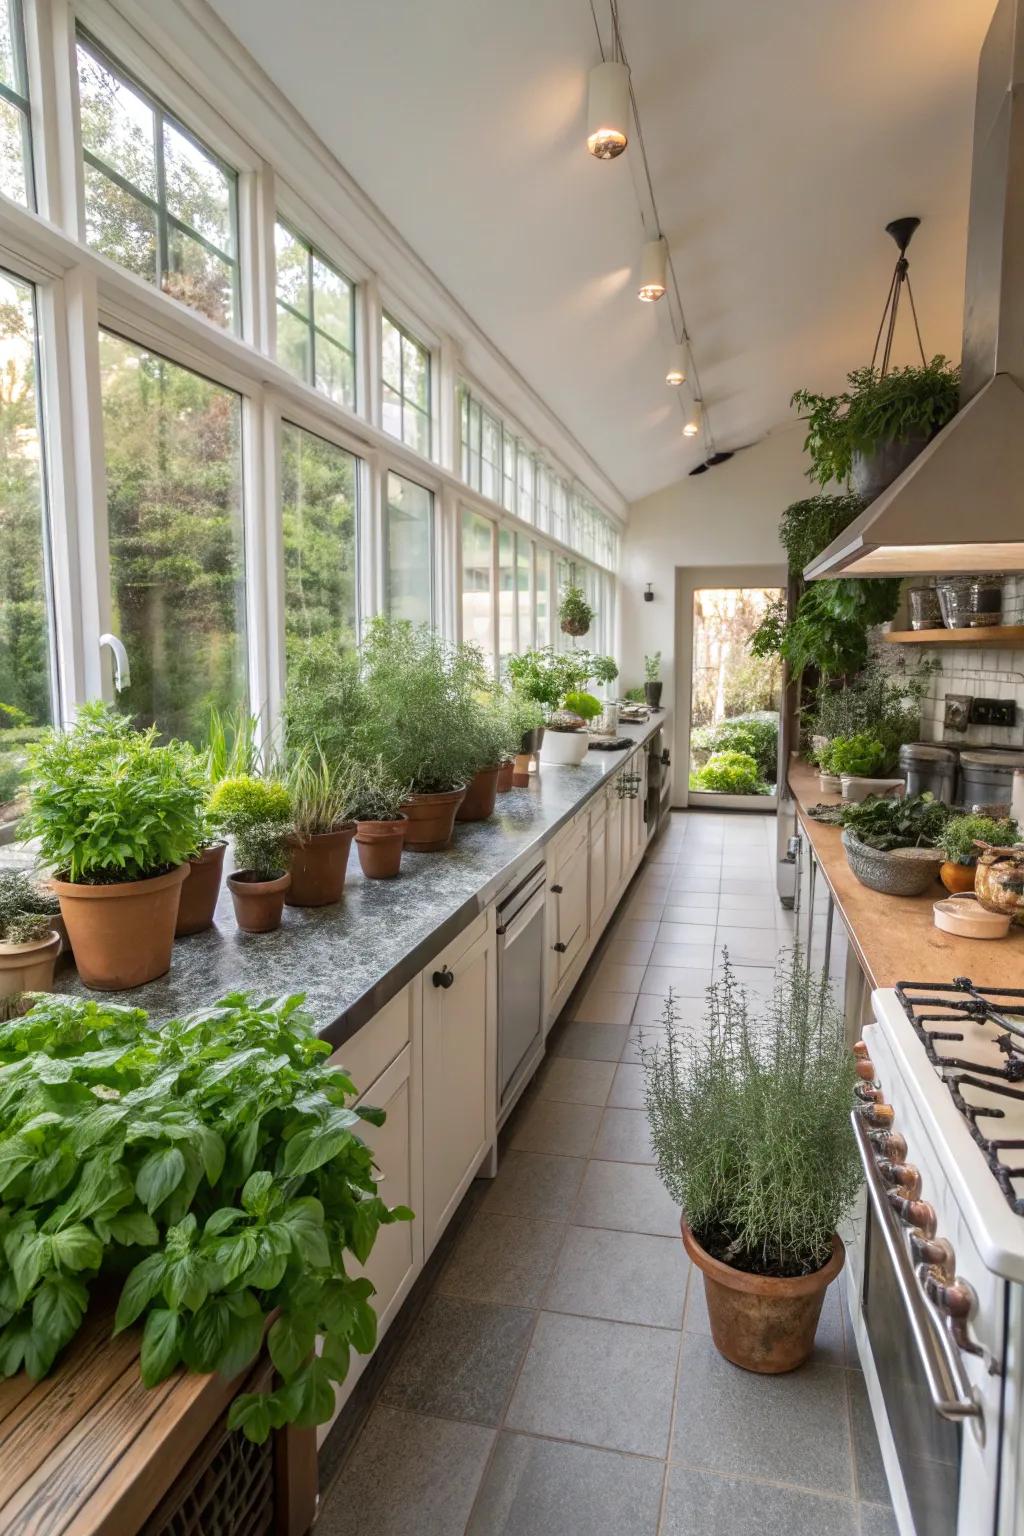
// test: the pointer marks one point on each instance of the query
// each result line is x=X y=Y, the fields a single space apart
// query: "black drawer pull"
x=560 y=948
x=557 y=889
x=443 y=978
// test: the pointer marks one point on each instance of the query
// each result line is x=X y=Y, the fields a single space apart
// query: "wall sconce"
x=648 y=594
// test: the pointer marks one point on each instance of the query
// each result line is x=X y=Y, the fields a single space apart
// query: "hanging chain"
x=900 y=279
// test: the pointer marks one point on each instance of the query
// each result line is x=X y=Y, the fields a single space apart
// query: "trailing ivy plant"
x=216 y=1166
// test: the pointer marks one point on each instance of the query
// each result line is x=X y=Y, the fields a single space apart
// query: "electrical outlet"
x=958 y=711
x=993 y=712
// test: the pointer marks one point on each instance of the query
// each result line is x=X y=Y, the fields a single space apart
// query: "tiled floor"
x=561 y=1380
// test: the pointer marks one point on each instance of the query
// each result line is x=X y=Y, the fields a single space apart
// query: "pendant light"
x=608 y=110
x=652 y=271
x=675 y=374
x=693 y=421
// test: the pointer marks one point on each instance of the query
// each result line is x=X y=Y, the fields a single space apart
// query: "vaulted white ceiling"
x=782 y=137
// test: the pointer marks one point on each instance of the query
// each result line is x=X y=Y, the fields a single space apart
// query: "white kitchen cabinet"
x=459 y=1071
x=570 y=909
x=397 y=1253
x=613 y=844
x=598 y=863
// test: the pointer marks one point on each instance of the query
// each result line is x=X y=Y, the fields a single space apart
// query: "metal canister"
x=986 y=779
x=929 y=769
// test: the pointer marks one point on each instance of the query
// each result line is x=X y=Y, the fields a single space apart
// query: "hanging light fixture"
x=675 y=374
x=652 y=271
x=608 y=110
x=693 y=421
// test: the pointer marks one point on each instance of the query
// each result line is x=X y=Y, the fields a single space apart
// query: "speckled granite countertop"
x=352 y=958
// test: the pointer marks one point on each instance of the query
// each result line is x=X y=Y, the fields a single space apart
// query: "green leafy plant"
x=257 y=815
x=232 y=744
x=635 y=695
x=495 y=730
x=758 y=736
x=750 y=1121
x=321 y=793
x=575 y=614
x=522 y=714
x=958 y=839
x=888 y=821
x=652 y=667
x=325 y=700
x=874 y=410
x=809 y=526
x=109 y=803
x=584 y=705
x=378 y=794
x=885 y=703
x=730 y=773
x=211 y=1170
x=547 y=675
x=26 y=911
x=861 y=756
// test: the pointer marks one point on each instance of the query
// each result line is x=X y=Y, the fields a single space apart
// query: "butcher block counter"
x=894 y=937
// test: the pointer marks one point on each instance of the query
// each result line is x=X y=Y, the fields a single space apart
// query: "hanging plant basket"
x=575 y=627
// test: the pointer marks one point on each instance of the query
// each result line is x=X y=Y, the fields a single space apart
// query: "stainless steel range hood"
x=960 y=505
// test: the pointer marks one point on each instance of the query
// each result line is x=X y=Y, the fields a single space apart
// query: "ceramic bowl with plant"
x=380 y=822
x=322 y=799
x=257 y=815
x=29 y=942
x=566 y=742
x=118 y=815
x=961 y=840
x=750 y=1124
x=575 y=615
x=892 y=844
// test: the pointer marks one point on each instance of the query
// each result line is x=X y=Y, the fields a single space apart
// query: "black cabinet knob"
x=443 y=978
x=557 y=890
x=560 y=948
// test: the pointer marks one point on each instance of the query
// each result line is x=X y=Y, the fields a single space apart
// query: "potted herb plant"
x=575 y=614
x=878 y=425
x=380 y=821
x=232 y=748
x=858 y=762
x=566 y=742
x=961 y=839
x=29 y=942
x=652 y=680
x=256 y=814
x=322 y=799
x=117 y=815
x=525 y=729
x=751 y=1131
x=891 y=844
x=228 y=1213
x=495 y=743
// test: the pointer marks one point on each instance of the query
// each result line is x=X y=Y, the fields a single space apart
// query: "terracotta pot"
x=957 y=877
x=28 y=967
x=481 y=793
x=318 y=866
x=379 y=845
x=122 y=935
x=200 y=891
x=259 y=904
x=761 y=1322
x=506 y=773
x=431 y=819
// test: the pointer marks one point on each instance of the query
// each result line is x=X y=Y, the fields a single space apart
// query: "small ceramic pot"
x=957 y=877
x=505 y=775
x=564 y=748
x=652 y=693
x=200 y=892
x=830 y=784
x=122 y=935
x=379 y=846
x=855 y=789
x=29 y=967
x=318 y=866
x=999 y=881
x=259 y=904
x=431 y=819
x=481 y=792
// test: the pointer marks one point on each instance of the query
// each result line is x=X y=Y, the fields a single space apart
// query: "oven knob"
x=954 y=1297
x=868 y=1094
x=902 y=1176
x=889 y=1145
x=935 y=1253
x=860 y=1050
x=879 y=1115
x=865 y=1070
x=914 y=1213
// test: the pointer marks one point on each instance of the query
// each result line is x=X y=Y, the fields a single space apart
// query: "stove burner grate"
x=1000 y=1006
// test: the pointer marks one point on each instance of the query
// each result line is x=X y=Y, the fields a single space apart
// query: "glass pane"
x=415 y=374
x=24 y=604
x=508 y=488
x=506 y=596
x=392 y=412
x=13 y=152
x=332 y=303
x=173 y=451
x=525 y=486
x=490 y=478
x=477 y=596
x=543 y=598
x=416 y=430
x=318 y=513
x=524 y=581
x=391 y=357
x=730 y=685
x=292 y=269
x=409 y=517
x=198 y=278
x=10 y=47
x=198 y=191
x=118 y=225
x=118 y=126
x=335 y=374
x=293 y=344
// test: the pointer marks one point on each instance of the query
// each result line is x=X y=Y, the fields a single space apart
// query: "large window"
x=478 y=583
x=318 y=515
x=409 y=550
x=172 y=443
x=157 y=201
x=506 y=596
x=405 y=382
x=524 y=590
x=15 y=123
x=316 y=325
x=542 y=582
x=24 y=602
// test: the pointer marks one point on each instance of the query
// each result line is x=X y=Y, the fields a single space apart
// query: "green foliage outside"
x=960 y=836
x=729 y=773
x=757 y=735
x=750 y=1121
x=211 y=1171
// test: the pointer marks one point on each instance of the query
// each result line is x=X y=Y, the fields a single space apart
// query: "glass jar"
x=986 y=601
x=925 y=612
x=955 y=601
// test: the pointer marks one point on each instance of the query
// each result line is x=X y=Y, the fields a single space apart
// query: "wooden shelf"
x=1004 y=636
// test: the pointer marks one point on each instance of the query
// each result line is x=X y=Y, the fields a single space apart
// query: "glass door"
x=735 y=700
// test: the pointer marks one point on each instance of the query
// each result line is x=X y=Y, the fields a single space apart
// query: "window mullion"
x=161 y=198
x=264 y=559
x=311 y=322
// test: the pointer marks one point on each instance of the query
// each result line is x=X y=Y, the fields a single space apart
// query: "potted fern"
x=750 y=1122
x=29 y=941
x=495 y=743
x=256 y=814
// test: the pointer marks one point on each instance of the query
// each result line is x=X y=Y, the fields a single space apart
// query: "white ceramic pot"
x=829 y=783
x=856 y=789
x=564 y=748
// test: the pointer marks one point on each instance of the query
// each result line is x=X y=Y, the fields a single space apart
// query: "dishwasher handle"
x=522 y=917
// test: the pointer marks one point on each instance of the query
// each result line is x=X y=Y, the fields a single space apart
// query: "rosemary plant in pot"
x=256 y=814
x=494 y=743
x=380 y=821
x=117 y=816
x=322 y=798
x=961 y=841
x=750 y=1125
x=29 y=942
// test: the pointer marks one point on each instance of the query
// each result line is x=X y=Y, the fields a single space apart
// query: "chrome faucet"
x=122 y=671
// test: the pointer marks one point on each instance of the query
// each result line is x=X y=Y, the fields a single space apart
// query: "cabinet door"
x=598 y=859
x=572 y=912
x=613 y=844
x=395 y=1257
x=459 y=1074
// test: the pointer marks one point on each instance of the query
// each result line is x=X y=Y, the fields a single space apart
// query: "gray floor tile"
x=460 y=1361
x=687 y=954
x=502 y=1259
x=623 y=951
x=642 y=911
x=877 y=1520
x=689 y=933
x=612 y=976
x=543 y=1125
x=606 y=1384
x=636 y=928
x=761 y=916
x=547 y=1488
x=605 y=1008
x=791 y=1429
x=597 y=1041
x=693 y=885
x=682 y=980
x=650 y=1010
x=628 y=1197
x=535 y=1185
x=575 y=1080
x=407 y=1476
x=624 y=1137
x=747 y=946
x=639 y=1040
x=742 y=885
x=829 y=1343
x=872 y=1483
x=627 y=1090
x=700 y=1504
x=749 y=901
x=627 y=1277
x=692 y=902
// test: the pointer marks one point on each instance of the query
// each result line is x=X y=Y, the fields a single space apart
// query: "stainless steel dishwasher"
x=520 y=929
